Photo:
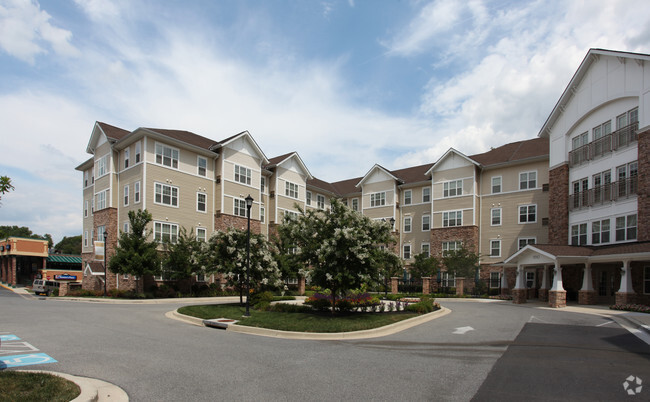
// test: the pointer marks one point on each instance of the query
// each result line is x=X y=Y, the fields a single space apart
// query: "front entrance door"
x=607 y=285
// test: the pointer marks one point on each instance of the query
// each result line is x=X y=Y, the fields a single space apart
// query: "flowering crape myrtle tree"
x=227 y=255
x=340 y=246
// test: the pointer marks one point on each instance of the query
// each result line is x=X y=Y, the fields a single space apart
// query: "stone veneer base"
x=519 y=296
x=625 y=298
x=557 y=298
x=543 y=295
x=587 y=297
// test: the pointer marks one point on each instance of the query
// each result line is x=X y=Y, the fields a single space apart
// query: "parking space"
x=15 y=352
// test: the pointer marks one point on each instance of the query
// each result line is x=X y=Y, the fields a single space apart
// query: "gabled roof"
x=235 y=137
x=414 y=174
x=592 y=56
x=382 y=169
x=449 y=152
x=515 y=151
x=184 y=136
x=94 y=268
x=112 y=134
x=614 y=252
x=322 y=185
x=349 y=186
x=279 y=160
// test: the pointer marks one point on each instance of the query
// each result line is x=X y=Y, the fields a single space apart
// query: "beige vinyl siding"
x=465 y=173
x=185 y=214
x=88 y=194
x=510 y=176
x=468 y=217
x=129 y=177
x=284 y=202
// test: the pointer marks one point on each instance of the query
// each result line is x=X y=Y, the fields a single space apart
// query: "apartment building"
x=599 y=137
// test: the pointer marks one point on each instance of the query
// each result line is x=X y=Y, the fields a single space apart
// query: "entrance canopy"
x=543 y=254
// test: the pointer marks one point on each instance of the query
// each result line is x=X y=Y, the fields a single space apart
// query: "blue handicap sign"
x=25 y=360
x=5 y=338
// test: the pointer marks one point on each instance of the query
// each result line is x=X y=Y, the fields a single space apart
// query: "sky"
x=347 y=84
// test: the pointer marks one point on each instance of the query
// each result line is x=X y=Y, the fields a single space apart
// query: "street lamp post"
x=105 y=273
x=249 y=204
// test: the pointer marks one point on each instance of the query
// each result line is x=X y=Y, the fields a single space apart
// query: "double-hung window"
x=126 y=195
x=243 y=175
x=308 y=198
x=452 y=218
x=320 y=200
x=290 y=189
x=201 y=166
x=426 y=223
x=527 y=180
x=240 y=207
x=102 y=166
x=600 y=232
x=407 y=224
x=126 y=158
x=262 y=184
x=579 y=234
x=355 y=204
x=407 y=252
x=425 y=249
x=201 y=202
x=166 y=195
x=452 y=188
x=528 y=213
x=102 y=198
x=495 y=248
x=626 y=227
x=407 y=197
x=164 y=232
x=495 y=280
x=166 y=156
x=100 y=233
x=496 y=216
x=496 y=184
x=451 y=246
x=426 y=194
x=262 y=214
x=138 y=152
x=136 y=192
x=201 y=234
x=524 y=241
x=85 y=208
x=378 y=199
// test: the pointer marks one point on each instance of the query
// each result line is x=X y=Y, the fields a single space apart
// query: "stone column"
x=519 y=293
x=426 y=285
x=460 y=286
x=543 y=290
x=504 y=282
x=625 y=294
x=393 y=285
x=587 y=295
x=557 y=294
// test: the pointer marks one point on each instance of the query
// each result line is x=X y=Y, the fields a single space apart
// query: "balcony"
x=604 y=194
x=620 y=138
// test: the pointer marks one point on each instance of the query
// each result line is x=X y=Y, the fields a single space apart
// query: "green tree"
x=135 y=255
x=180 y=261
x=5 y=185
x=23 y=231
x=390 y=265
x=461 y=262
x=69 y=245
x=424 y=266
x=227 y=252
x=340 y=246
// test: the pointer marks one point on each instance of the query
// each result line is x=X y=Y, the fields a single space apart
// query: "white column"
x=587 y=281
x=557 y=278
x=504 y=279
x=626 y=278
x=519 y=283
x=544 y=278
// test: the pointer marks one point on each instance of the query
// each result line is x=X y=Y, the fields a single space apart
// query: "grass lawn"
x=300 y=322
x=22 y=386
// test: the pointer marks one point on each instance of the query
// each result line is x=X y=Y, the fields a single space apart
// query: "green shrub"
x=262 y=297
x=290 y=308
x=262 y=305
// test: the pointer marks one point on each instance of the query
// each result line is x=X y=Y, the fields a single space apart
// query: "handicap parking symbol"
x=25 y=360
x=6 y=338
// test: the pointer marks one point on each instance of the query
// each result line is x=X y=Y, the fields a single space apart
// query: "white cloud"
x=25 y=29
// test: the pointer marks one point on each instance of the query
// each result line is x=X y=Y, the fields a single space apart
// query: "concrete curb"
x=92 y=390
x=636 y=323
x=368 y=333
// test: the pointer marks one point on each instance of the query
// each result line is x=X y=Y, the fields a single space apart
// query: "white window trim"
x=127 y=158
x=198 y=166
x=536 y=180
x=205 y=203
x=495 y=240
x=423 y=201
x=137 y=194
x=288 y=187
x=205 y=234
x=492 y=184
x=382 y=199
x=86 y=238
x=422 y=246
x=107 y=166
x=178 y=195
x=410 y=220
x=178 y=161
x=247 y=171
x=410 y=196
x=137 y=152
x=86 y=208
x=237 y=200
x=126 y=195
x=519 y=239
x=404 y=251
x=519 y=214
x=106 y=200
x=171 y=225
x=447 y=182
x=262 y=214
x=455 y=212
x=500 y=216
x=308 y=198
x=426 y=216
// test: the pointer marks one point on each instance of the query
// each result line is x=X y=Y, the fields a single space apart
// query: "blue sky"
x=346 y=84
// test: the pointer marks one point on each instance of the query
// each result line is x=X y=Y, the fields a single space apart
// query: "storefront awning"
x=66 y=259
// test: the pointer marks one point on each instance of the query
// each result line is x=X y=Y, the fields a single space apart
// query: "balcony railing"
x=604 y=194
x=620 y=138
